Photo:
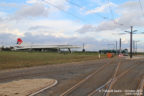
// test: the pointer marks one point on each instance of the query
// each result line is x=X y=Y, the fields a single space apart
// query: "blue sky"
x=93 y=22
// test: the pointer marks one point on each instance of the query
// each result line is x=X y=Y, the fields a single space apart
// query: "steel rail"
x=141 y=87
x=112 y=81
x=84 y=80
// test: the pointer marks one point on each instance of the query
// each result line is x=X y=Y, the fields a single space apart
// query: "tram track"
x=109 y=84
x=83 y=81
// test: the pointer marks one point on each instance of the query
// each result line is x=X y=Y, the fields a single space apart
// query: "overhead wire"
x=111 y=12
x=112 y=15
x=142 y=9
x=61 y=9
x=73 y=3
x=103 y=17
x=110 y=9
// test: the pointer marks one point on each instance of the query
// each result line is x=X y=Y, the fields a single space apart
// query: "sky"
x=96 y=23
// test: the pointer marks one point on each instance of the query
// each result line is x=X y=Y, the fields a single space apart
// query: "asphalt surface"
x=71 y=73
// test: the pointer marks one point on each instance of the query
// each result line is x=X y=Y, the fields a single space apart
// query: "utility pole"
x=133 y=47
x=120 y=46
x=83 y=50
x=116 y=47
x=131 y=39
x=136 y=46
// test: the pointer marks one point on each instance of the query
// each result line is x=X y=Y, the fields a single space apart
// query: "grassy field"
x=9 y=60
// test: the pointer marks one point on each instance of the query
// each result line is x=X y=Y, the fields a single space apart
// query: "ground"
x=128 y=76
x=24 y=87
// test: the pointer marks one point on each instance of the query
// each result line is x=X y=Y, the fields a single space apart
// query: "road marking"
x=141 y=86
x=116 y=70
x=44 y=89
x=92 y=93
x=113 y=80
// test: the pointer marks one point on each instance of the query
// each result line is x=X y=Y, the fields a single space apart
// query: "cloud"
x=31 y=23
x=3 y=14
x=110 y=25
x=7 y=39
x=103 y=26
x=53 y=3
x=6 y=36
x=100 y=9
x=129 y=15
x=39 y=8
x=33 y=1
x=13 y=31
x=38 y=27
x=87 y=28
x=99 y=2
x=64 y=28
x=34 y=10
x=58 y=28
x=9 y=5
x=91 y=44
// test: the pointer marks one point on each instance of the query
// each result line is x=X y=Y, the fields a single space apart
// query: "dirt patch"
x=24 y=87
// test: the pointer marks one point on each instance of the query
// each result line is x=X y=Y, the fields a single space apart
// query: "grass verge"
x=9 y=60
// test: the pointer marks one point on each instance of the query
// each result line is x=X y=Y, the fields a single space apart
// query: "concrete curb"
x=44 y=88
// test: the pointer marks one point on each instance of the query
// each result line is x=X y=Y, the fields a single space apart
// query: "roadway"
x=90 y=78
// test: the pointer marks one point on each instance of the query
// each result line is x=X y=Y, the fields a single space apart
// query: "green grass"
x=9 y=60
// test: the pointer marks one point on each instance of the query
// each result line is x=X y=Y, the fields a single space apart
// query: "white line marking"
x=44 y=88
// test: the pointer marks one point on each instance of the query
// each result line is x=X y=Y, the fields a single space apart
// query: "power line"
x=112 y=15
x=103 y=17
x=73 y=3
x=140 y=4
x=142 y=9
x=64 y=11
x=110 y=9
